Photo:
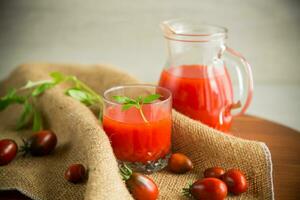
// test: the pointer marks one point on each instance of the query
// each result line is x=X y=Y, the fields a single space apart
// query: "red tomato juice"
x=133 y=139
x=202 y=93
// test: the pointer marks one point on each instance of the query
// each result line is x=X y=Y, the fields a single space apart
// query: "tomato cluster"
x=217 y=183
x=40 y=144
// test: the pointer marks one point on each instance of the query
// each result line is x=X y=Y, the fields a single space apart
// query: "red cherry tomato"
x=40 y=144
x=214 y=172
x=141 y=187
x=8 y=151
x=235 y=181
x=209 y=189
x=75 y=173
x=180 y=163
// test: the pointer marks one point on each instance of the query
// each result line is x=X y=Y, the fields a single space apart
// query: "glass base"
x=149 y=167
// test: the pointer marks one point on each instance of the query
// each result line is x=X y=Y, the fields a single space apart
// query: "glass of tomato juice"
x=138 y=125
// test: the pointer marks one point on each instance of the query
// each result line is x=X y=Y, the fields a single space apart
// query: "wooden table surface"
x=283 y=142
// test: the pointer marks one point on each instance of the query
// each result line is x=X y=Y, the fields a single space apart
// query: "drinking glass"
x=140 y=138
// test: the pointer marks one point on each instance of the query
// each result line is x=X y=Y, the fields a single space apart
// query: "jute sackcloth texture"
x=82 y=140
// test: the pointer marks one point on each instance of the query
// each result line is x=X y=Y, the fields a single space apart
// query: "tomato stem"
x=187 y=191
x=25 y=148
x=126 y=172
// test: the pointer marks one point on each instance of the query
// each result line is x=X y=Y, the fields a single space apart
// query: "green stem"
x=141 y=112
x=99 y=98
x=88 y=89
x=143 y=116
x=83 y=86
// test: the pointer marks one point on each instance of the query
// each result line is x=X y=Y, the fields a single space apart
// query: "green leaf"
x=31 y=84
x=72 y=78
x=25 y=116
x=11 y=98
x=57 y=77
x=137 y=103
x=37 y=121
x=42 y=88
x=123 y=99
x=127 y=106
x=139 y=99
x=151 y=98
x=81 y=96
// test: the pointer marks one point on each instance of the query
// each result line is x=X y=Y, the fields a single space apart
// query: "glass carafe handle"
x=237 y=64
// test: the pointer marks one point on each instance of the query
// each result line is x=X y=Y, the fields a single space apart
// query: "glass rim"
x=209 y=32
x=114 y=88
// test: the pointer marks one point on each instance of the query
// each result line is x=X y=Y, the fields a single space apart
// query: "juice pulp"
x=134 y=140
x=202 y=93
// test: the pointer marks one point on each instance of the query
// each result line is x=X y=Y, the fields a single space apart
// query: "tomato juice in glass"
x=143 y=145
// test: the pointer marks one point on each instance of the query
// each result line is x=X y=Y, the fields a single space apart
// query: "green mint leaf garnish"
x=127 y=106
x=137 y=103
x=139 y=99
x=151 y=98
x=123 y=99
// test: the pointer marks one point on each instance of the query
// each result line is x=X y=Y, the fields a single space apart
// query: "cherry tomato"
x=208 y=189
x=8 y=151
x=75 y=173
x=214 y=172
x=40 y=144
x=141 y=187
x=235 y=181
x=180 y=163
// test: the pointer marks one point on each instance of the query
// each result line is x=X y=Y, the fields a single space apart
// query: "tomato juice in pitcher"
x=199 y=73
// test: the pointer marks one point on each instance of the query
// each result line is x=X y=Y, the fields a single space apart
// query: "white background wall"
x=126 y=33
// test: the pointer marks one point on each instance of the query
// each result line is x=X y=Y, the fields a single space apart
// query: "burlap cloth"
x=82 y=140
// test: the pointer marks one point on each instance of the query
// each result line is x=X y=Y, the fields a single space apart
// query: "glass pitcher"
x=210 y=82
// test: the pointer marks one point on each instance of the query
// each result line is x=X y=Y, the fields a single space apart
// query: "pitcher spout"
x=192 y=31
